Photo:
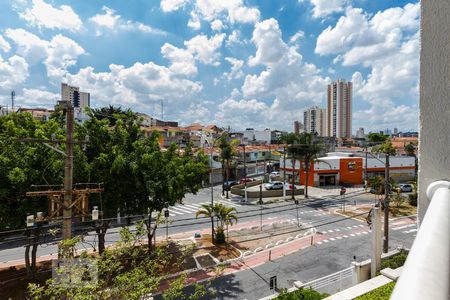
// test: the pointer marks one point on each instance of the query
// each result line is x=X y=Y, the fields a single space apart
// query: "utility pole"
x=284 y=173
x=13 y=95
x=386 y=206
x=376 y=243
x=365 y=172
x=68 y=173
x=245 y=177
x=212 y=189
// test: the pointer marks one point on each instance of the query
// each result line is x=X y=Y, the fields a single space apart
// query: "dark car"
x=228 y=184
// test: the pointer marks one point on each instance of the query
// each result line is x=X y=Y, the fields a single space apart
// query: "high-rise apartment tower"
x=314 y=120
x=339 y=109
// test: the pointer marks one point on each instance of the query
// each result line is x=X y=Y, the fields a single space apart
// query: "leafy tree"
x=376 y=138
x=303 y=147
x=227 y=153
x=123 y=272
x=410 y=149
x=377 y=182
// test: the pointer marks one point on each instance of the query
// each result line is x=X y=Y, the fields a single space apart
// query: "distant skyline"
x=235 y=63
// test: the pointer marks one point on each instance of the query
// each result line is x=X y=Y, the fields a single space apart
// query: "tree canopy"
x=137 y=175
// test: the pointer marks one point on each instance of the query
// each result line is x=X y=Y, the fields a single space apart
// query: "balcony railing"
x=426 y=274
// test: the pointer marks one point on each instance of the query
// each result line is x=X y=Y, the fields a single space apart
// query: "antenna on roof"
x=13 y=95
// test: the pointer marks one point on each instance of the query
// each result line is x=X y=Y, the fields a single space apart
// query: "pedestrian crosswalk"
x=192 y=208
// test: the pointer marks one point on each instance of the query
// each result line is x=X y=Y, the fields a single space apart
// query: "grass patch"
x=395 y=261
x=381 y=293
x=302 y=293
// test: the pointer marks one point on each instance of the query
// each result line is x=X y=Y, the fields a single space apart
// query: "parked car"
x=406 y=187
x=377 y=191
x=274 y=185
x=247 y=179
x=274 y=174
x=228 y=184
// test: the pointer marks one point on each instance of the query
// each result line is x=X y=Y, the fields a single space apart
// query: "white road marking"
x=339 y=237
x=332 y=239
x=331 y=230
x=345 y=236
x=403 y=227
x=325 y=241
x=351 y=234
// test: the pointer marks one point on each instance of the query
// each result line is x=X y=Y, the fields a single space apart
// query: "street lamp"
x=245 y=174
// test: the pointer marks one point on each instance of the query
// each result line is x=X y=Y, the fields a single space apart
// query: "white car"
x=274 y=185
x=405 y=187
x=275 y=174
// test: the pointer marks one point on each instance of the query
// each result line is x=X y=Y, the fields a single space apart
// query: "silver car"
x=405 y=187
x=274 y=185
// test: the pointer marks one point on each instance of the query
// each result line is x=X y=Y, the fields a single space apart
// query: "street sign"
x=273 y=282
x=296 y=202
x=166 y=213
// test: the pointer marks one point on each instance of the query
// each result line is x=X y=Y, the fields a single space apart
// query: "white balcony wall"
x=434 y=127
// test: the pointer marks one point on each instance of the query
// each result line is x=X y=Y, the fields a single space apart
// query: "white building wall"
x=434 y=127
x=394 y=161
x=258 y=135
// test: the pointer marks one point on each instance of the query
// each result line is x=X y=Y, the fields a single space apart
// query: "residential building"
x=314 y=120
x=298 y=127
x=252 y=136
x=80 y=100
x=360 y=133
x=339 y=109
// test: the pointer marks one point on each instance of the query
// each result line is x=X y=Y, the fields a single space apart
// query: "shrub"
x=302 y=293
x=394 y=261
x=412 y=198
x=383 y=292
x=220 y=236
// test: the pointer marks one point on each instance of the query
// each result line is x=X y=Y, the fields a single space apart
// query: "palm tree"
x=308 y=149
x=292 y=140
x=303 y=147
x=207 y=210
x=227 y=153
x=225 y=216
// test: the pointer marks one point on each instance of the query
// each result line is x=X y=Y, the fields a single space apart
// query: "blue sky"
x=238 y=63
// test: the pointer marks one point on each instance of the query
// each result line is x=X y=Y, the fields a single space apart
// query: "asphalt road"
x=305 y=265
x=182 y=218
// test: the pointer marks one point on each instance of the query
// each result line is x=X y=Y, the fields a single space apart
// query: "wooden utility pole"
x=386 y=206
x=68 y=173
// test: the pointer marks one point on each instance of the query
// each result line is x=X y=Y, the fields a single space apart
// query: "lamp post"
x=245 y=176
x=211 y=184
x=284 y=173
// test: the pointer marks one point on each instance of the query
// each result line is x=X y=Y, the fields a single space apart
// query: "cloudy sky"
x=237 y=63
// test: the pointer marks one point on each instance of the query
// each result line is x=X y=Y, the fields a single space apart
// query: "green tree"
x=227 y=153
x=123 y=272
x=410 y=149
x=304 y=147
x=376 y=138
x=224 y=216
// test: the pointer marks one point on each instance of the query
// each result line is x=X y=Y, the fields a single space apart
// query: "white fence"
x=334 y=282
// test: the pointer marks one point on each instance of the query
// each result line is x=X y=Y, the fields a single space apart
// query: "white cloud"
x=217 y=25
x=37 y=97
x=231 y=112
x=234 y=38
x=204 y=49
x=233 y=11
x=286 y=80
x=62 y=54
x=172 y=5
x=298 y=35
x=138 y=85
x=194 y=21
x=44 y=15
x=182 y=61
x=29 y=45
x=323 y=8
x=57 y=55
x=236 y=68
x=4 y=45
x=388 y=43
x=109 y=20
x=13 y=72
